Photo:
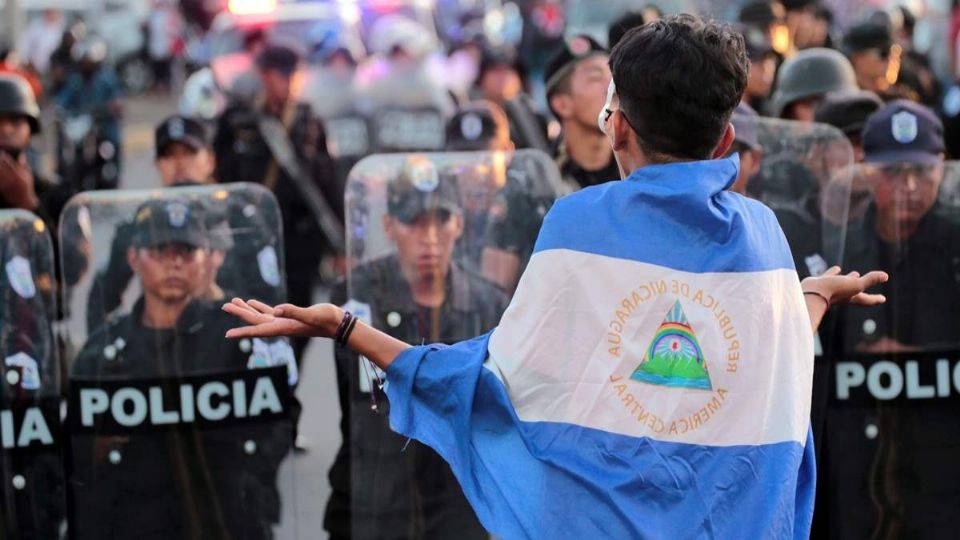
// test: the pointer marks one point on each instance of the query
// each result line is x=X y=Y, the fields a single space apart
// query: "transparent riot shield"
x=888 y=465
x=32 y=499
x=175 y=431
x=802 y=171
x=430 y=238
x=408 y=130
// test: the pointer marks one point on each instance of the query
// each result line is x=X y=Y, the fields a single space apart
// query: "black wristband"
x=815 y=293
x=348 y=331
x=338 y=336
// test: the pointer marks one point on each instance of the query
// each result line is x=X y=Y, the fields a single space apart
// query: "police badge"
x=177 y=214
x=269 y=266
x=903 y=126
x=20 y=277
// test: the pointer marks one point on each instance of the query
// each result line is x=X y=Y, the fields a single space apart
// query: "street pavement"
x=303 y=477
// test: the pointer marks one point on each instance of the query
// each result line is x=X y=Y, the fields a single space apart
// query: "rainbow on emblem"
x=674 y=357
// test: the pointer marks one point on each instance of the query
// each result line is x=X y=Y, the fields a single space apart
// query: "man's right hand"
x=286 y=320
x=846 y=289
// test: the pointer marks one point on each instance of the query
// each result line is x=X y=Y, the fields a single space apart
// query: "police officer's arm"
x=223 y=148
x=832 y=288
x=320 y=320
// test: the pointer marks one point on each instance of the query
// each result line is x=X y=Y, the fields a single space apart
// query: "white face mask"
x=602 y=117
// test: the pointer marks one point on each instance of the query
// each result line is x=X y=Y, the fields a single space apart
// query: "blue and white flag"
x=651 y=378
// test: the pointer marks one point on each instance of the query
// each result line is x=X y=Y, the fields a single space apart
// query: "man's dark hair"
x=679 y=79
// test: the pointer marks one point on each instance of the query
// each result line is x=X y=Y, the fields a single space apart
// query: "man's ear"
x=562 y=105
x=622 y=131
x=726 y=141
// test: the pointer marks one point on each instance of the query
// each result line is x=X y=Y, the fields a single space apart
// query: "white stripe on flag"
x=580 y=325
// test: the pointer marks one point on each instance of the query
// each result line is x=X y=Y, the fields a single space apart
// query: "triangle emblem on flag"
x=674 y=357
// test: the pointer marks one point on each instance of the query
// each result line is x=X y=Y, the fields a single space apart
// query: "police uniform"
x=384 y=486
x=237 y=213
x=518 y=210
x=33 y=498
x=243 y=155
x=888 y=467
x=184 y=482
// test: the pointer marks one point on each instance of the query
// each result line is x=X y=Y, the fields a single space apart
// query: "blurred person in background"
x=801 y=21
x=768 y=16
x=401 y=75
x=763 y=67
x=163 y=34
x=41 y=39
x=576 y=83
x=868 y=46
x=622 y=25
x=331 y=78
x=849 y=112
x=62 y=63
x=501 y=80
x=823 y=29
x=95 y=90
x=805 y=78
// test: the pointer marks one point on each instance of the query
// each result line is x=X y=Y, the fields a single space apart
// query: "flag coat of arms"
x=650 y=379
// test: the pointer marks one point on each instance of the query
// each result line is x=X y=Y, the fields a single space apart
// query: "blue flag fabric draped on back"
x=650 y=379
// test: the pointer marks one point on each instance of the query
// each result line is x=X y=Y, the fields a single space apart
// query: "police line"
x=903 y=376
x=220 y=399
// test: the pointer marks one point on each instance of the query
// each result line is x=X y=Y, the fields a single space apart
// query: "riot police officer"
x=182 y=481
x=420 y=293
x=804 y=79
x=183 y=157
x=20 y=185
x=279 y=143
x=890 y=469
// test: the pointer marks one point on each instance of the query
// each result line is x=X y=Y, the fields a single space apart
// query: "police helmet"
x=812 y=73
x=17 y=99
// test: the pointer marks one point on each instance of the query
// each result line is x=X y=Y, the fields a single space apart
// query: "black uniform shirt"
x=401 y=489
x=175 y=483
x=889 y=468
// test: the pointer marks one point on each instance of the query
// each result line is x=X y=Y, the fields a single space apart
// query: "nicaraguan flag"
x=650 y=379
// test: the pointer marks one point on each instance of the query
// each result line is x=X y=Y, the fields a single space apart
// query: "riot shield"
x=175 y=431
x=802 y=171
x=408 y=130
x=421 y=229
x=32 y=501
x=887 y=466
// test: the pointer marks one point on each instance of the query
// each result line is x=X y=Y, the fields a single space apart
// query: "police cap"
x=761 y=14
x=473 y=127
x=158 y=222
x=282 y=57
x=848 y=112
x=573 y=51
x=867 y=36
x=183 y=130
x=17 y=99
x=903 y=132
x=421 y=188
